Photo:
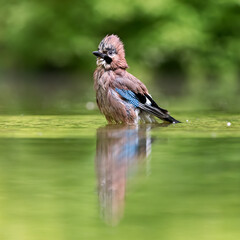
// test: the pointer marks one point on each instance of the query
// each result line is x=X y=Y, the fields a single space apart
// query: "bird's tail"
x=170 y=119
x=159 y=112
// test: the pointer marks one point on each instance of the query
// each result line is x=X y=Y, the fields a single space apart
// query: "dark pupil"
x=110 y=52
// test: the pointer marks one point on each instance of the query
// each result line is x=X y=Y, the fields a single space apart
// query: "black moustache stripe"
x=107 y=59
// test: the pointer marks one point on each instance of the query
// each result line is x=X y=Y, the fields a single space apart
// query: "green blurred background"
x=186 y=51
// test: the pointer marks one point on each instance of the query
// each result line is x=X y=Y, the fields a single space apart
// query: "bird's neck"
x=100 y=70
x=103 y=77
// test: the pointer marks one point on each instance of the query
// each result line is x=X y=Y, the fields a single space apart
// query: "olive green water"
x=72 y=177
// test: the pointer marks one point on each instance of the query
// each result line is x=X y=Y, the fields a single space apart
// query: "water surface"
x=73 y=177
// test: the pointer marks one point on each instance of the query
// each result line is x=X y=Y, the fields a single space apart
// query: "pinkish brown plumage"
x=120 y=96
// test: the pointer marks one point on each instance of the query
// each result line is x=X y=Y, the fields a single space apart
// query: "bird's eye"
x=110 y=52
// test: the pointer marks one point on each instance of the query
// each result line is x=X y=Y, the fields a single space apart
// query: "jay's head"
x=111 y=54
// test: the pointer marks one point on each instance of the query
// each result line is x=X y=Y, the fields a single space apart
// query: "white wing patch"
x=148 y=101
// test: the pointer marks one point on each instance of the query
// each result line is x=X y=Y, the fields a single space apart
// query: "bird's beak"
x=98 y=54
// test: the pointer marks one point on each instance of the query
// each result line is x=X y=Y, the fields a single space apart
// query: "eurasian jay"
x=120 y=96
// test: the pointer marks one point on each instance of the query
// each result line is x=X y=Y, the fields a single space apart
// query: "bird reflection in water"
x=120 y=149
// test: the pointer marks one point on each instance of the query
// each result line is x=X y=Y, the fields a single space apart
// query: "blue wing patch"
x=129 y=95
